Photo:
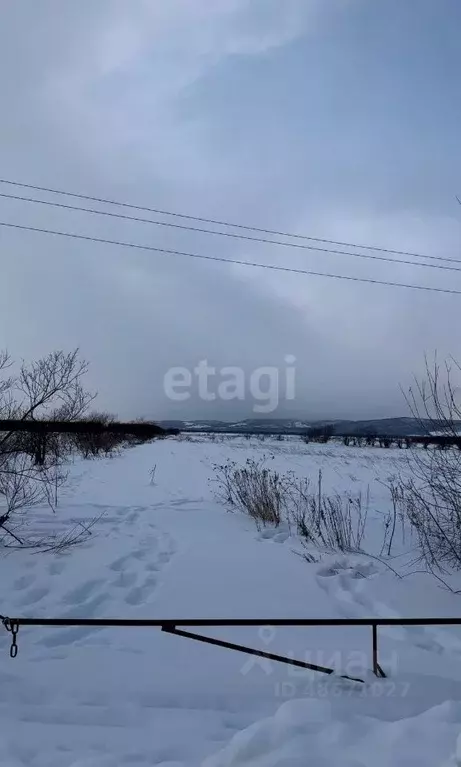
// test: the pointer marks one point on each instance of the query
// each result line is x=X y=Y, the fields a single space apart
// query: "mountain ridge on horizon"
x=400 y=426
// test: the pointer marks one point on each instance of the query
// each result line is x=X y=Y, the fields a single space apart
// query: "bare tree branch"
x=32 y=465
x=432 y=495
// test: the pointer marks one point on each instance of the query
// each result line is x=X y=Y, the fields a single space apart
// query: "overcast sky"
x=338 y=119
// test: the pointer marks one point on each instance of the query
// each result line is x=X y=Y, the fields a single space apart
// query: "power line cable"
x=293 y=270
x=136 y=219
x=218 y=222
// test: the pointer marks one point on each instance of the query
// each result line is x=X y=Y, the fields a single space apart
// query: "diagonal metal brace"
x=172 y=629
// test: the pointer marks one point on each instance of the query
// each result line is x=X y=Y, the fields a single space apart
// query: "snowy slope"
x=112 y=697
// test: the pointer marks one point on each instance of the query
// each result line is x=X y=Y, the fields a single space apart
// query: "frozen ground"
x=116 y=697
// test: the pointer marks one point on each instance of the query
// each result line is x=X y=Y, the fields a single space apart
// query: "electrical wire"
x=217 y=222
x=219 y=259
x=238 y=236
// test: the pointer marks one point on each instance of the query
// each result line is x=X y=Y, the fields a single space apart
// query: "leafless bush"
x=253 y=489
x=432 y=496
x=30 y=472
x=370 y=438
x=331 y=522
x=396 y=488
x=432 y=506
x=92 y=444
x=320 y=434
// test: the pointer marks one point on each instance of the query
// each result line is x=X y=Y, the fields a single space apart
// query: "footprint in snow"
x=82 y=592
x=343 y=567
x=140 y=594
x=327 y=572
x=23 y=582
x=278 y=534
x=34 y=595
x=88 y=609
x=57 y=567
x=118 y=564
x=125 y=579
x=141 y=554
x=67 y=637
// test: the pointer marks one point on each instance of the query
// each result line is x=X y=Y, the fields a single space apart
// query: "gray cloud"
x=335 y=119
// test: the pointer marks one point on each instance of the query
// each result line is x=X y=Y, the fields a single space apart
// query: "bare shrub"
x=432 y=504
x=320 y=434
x=92 y=444
x=331 y=522
x=396 y=488
x=30 y=472
x=370 y=438
x=432 y=495
x=253 y=489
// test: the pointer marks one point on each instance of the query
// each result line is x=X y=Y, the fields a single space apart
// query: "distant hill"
x=392 y=427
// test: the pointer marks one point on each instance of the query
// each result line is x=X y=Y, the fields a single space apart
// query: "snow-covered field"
x=113 y=697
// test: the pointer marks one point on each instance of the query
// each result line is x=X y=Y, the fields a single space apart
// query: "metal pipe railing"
x=171 y=625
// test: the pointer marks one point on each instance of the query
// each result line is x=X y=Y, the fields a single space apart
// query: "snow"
x=83 y=697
